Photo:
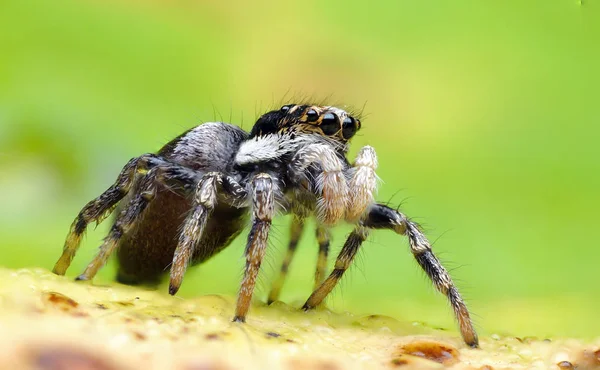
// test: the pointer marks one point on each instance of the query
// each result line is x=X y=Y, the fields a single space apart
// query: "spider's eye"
x=285 y=108
x=330 y=124
x=312 y=115
x=349 y=127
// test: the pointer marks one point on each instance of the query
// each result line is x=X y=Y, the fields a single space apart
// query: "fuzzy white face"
x=268 y=147
x=263 y=149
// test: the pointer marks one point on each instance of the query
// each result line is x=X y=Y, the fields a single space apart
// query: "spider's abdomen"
x=145 y=253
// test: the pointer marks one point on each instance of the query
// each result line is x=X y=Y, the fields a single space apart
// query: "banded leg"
x=330 y=183
x=362 y=184
x=98 y=209
x=205 y=200
x=263 y=208
x=383 y=217
x=323 y=238
x=123 y=223
x=295 y=232
x=343 y=261
x=172 y=176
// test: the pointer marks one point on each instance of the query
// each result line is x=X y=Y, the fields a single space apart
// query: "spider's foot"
x=241 y=319
x=82 y=277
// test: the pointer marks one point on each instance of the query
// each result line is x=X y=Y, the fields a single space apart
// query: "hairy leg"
x=323 y=240
x=343 y=261
x=295 y=232
x=330 y=182
x=381 y=216
x=98 y=209
x=362 y=183
x=384 y=217
x=205 y=200
x=173 y=176
x=124 y=222
x=263 y=191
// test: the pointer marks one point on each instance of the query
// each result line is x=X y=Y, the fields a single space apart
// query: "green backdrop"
x=485 y=117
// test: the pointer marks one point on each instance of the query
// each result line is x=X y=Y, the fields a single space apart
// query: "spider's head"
x=330 y=122
x=281 y=132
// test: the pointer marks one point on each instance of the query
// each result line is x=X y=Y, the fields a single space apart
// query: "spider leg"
x=99 y=208
x=295 y=232
x=262 y=188
x=330 y=181
x=362 y=184
x=343 y=261
x=383 y=217
x=323 y=237
x=166 y=173
x=205 y=200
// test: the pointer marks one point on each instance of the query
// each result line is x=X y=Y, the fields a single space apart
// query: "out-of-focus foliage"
x=484 y=116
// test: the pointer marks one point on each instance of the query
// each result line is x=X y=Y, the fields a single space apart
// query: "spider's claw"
x=173 y=289
x=474 y=345
x=240 y=319
x=306 y=307
x=81 y=277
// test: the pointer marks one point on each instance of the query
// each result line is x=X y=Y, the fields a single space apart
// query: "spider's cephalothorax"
x=187 y=202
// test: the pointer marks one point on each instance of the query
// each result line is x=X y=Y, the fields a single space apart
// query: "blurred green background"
x=485 y=116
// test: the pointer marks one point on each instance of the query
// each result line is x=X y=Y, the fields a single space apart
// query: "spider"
x=188 y=201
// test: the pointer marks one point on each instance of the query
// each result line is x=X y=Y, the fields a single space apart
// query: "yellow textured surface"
x=50 y=322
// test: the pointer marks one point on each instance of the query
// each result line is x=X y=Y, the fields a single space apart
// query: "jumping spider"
x=187 y=202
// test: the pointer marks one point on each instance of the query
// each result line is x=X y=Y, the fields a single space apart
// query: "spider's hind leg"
x=98 y=209
x=145 y=191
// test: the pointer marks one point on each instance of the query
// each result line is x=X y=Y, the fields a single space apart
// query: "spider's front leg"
x=380 y=216
x=262 y=193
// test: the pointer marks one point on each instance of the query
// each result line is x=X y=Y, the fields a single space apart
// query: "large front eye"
x=286 y=108
x=349 y=127
x=312 y=115
x=330 y=124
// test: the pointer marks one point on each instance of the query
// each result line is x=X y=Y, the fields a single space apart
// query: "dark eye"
x=349 y=127
x=330 y=124
x=285 y=108
x=312 y=115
